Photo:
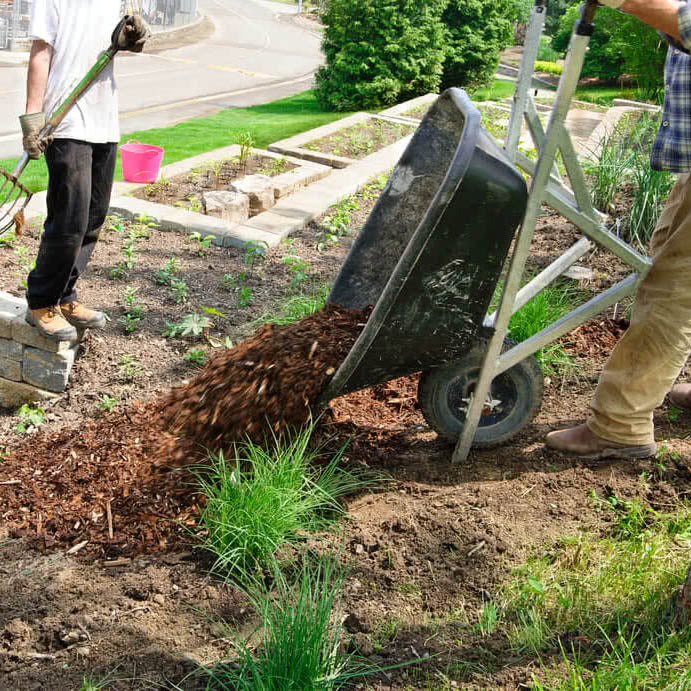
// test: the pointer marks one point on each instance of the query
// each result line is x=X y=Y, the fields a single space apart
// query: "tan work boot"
x=82 y=317
x=583 y=443
x=51 y=324
x=680 y=396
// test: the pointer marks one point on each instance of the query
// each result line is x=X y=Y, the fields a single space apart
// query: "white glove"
x=616 y=4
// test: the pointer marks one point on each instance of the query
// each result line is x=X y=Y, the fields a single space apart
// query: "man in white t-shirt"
x=68 y=36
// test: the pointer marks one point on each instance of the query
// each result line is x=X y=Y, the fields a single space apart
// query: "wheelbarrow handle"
x=585 y=26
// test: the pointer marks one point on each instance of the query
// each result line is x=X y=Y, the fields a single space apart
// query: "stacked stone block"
x=32 y=368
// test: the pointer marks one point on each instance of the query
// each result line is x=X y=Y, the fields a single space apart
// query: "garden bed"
x=187 y=190
x=358 y=141
x=427 y=551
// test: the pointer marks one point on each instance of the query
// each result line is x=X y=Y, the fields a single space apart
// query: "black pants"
x=79 y=186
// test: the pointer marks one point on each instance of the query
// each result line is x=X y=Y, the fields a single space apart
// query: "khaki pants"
x=646 y=362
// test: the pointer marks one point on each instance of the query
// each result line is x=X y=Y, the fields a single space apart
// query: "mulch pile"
x=100 y=484
x=596 y=338
x=93 y=483
x=262 y=386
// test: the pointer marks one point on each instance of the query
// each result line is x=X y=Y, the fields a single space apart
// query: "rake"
x=14 y=196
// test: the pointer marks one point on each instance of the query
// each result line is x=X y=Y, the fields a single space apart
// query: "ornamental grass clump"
x=262 y=498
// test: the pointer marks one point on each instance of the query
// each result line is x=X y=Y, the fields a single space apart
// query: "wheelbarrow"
x=429 y=259
x=431 y=254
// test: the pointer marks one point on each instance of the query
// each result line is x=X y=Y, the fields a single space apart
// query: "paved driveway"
x=256 y=53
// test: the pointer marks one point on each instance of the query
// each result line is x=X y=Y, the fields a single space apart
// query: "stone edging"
x=32 y=368
x=289 y=215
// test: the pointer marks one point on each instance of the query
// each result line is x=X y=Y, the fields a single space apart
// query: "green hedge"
x=477 y=32
x=380 y=52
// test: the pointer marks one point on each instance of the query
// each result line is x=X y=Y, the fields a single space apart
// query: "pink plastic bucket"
x=140 y=162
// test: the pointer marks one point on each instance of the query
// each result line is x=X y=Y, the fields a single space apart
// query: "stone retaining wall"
x=32 y=368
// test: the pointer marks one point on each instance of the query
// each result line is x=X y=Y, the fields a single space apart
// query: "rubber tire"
x=524 y=379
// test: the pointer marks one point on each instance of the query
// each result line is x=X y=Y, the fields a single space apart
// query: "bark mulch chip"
x=107 y=483
x=262 y=386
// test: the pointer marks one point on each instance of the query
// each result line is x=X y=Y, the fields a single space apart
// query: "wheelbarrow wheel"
x=514 y=400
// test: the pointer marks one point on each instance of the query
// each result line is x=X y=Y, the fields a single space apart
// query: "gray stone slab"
x=49 y=371
x=14 y=393
x=11 y=350
x=232 y=207
x=30 y=336
x=10 y=369
x=10 y=308
x=288 y=183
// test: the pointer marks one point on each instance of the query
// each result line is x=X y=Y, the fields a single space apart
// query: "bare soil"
x=362 y=139
x=425 y=551
x=186 y=190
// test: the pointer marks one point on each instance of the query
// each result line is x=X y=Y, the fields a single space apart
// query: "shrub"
x=477 y=32
x=379 y=52
x=620 y=45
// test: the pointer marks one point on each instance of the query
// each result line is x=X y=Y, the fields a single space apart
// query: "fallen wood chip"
x=77 y=547
x=115 y=562
x=477 y=548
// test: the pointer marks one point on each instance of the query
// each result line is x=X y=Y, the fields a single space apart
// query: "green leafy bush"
x=477 y=32
x=379 y=52
x=621 y=45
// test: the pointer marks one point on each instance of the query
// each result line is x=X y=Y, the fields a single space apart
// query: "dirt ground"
x=425 y=550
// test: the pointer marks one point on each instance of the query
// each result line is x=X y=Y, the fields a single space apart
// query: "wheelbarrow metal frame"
x=547 y=187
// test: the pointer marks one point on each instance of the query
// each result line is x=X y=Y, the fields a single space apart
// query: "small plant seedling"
x=195 y=356
x=134 y=311
x=180 y=291
x=255 y=254
x=4 y=453
x=246 y=143
x=230 y=284
x=298 y=268
x=165 y=274
x=114 y=224
x=29 y=417
x=193 y=203
x=203 y=243
x=245 y=297
x=8 y=240
x=190 y=325
x=129 y=367
x=118 y=273
x=107 y=403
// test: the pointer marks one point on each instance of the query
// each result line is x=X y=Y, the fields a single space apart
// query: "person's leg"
x=68 y=201
x=102 y=173
x=648 y=359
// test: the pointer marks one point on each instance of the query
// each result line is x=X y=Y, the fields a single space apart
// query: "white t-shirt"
x=78 y=31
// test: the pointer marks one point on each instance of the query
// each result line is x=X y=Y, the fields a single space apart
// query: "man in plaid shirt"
x=647 y=361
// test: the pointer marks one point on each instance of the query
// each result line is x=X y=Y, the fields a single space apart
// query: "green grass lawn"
x=267 y=123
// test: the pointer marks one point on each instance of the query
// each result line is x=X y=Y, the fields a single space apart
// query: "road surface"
x=256 y=53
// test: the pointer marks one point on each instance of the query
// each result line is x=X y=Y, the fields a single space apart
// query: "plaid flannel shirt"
x=672 y=147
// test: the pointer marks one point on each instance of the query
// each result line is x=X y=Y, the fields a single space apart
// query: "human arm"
x=34 y=118
x=37 y=79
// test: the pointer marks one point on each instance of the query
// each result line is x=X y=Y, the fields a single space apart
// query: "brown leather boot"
x=82 y=317
x=581 y=442
x=51 y=324
x=680 y=396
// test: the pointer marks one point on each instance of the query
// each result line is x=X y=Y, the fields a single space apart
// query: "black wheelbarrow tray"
x=429 y=259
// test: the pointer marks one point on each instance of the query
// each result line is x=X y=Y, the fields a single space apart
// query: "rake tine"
x=10 y=215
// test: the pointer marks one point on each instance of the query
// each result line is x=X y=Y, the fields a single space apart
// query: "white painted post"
x=299 y=6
